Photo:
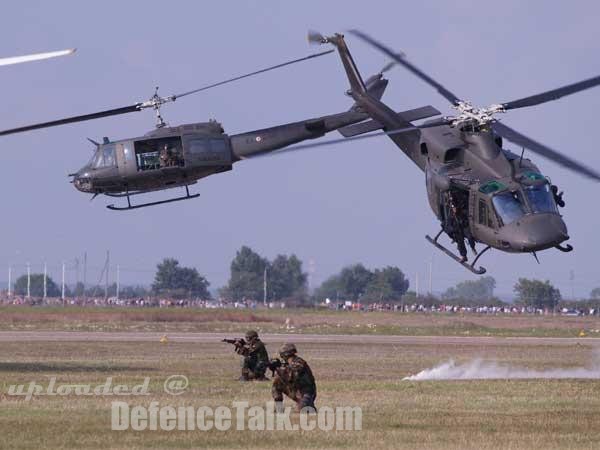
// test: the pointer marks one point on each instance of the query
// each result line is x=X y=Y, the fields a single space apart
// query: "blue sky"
x=357 y=202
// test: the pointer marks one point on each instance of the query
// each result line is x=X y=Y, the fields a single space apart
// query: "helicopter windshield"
x=509 y=206
x=104 y=157
x=540 y=199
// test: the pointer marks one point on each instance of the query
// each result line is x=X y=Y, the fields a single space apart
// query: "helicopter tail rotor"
x=316 y=38
x=387 y=67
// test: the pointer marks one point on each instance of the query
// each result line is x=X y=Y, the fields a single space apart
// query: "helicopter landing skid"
x=568 y=248
x=471 y=267
x=129 y=206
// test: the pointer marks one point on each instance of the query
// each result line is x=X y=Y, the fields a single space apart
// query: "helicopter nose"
x=82 y=182
x=535 y=232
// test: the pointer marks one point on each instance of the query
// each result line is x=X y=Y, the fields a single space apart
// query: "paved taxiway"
x=136 y=336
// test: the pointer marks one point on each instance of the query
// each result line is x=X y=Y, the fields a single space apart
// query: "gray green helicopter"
x=178 y=156
x=481 y=192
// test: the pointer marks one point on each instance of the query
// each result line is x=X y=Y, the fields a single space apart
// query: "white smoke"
x=479 y=369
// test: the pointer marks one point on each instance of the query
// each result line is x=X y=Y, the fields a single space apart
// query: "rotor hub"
x=155 y=102
x=474 y=116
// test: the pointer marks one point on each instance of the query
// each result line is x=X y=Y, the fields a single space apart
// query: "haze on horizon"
x=359 y=202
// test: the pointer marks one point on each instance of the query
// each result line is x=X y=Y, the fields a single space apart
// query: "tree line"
x=256 y=278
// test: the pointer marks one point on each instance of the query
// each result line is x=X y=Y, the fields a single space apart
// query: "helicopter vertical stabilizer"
x=357 y=85
x=372 y=106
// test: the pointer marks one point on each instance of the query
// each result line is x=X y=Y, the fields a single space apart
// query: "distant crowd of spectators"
x=250 y=304
x=136 y=302
x=456 y=308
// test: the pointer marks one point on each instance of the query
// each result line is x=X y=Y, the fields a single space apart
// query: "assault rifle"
x=238 y=342
x=275 y=364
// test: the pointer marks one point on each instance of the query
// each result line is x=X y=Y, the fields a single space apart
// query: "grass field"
x=230 y=321
x=485 y=414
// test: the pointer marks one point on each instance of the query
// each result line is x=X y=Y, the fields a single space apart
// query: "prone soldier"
x=293 y=377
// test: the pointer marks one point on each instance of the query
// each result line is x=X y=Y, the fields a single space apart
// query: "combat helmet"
x=287 y=350
x=251 y=334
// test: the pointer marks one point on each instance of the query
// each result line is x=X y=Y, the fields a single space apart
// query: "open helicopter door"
x=457 y=222
x=158 y=153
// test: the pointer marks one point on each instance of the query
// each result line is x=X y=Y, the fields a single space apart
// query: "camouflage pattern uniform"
x=294 y=379
x=256 y=358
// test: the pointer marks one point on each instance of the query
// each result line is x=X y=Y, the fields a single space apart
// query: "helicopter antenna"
x=521 y=159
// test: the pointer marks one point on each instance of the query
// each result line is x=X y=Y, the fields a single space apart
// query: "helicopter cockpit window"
x=540 y=199
x=109 y=155
x=104 y=157
x=509 y=206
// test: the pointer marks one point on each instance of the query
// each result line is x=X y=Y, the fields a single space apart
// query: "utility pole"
x=431 y=277
x=311 y=274
x=265 y=287
x=9 y=279
x=84 y=271
x=45 y=278
x=118 y=280
x=28 y=281
x=417 y=284
x=76 y=271
x=572 y=279
x=63 y=284
x=107 y=268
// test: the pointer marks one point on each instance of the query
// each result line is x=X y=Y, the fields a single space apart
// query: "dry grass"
x=303 y=321
x=510 y=414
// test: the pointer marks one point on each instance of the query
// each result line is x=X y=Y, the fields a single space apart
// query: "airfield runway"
x=135 y=336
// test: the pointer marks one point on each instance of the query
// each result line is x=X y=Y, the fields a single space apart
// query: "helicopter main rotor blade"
x=154 y=102
x=220 y=83
x=400 y=59
x=524 y=141
x=34 y=57
x=553 y=94
x=53 y=123
x=433 y=123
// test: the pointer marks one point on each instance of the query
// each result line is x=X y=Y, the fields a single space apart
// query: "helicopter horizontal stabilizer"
x=372 y=125
x=375 y=85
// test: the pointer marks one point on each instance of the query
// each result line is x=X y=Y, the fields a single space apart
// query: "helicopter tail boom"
x=254 y=143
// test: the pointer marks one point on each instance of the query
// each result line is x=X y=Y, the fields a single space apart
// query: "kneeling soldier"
x=256 y=358
x=294 y=379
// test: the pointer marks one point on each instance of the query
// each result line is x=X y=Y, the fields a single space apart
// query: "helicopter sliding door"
x=161 y=153
x=126 y=158
x=207 y=151
x=482 y=217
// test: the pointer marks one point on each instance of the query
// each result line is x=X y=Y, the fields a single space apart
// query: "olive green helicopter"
x=481 y=192
x=178 y=156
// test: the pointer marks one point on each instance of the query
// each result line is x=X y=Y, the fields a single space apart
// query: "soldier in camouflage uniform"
x=256 y=358
x=294 y=379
